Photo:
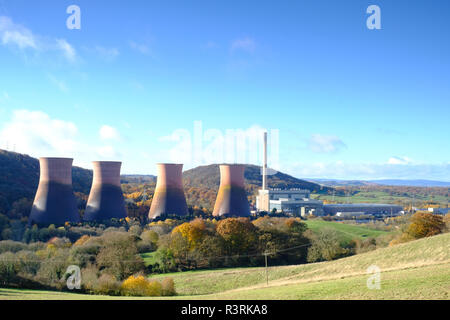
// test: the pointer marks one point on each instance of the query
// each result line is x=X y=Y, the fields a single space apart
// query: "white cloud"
x=109 y=133
x=35 y=133
x=67 y=49
x=244 y=44
x=12 y=34
x=325 y=144
x=139 y=47
x=400 y=160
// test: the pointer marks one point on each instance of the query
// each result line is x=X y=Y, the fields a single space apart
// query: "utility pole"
x=267 y=271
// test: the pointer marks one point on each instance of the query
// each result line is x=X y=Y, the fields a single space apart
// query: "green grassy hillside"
x=346 y=232
x=414 y=270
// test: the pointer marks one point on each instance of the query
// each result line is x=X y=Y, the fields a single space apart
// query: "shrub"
x=150 y=236
x=8 y=268
x=89 y=276
x=107 y=285
x=12 y=246
x=168 y=287
x=140 y=286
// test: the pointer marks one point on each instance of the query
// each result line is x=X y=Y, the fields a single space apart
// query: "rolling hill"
x=19 y=177
x=209 y=176
x=381 y=182
x=415 y=270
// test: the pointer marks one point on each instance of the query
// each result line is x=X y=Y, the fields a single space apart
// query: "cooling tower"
x=54 y=202
x=232 y=198
x=106 y=198
x=169 y=196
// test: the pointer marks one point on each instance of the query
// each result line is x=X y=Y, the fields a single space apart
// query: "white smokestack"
x=264 y=170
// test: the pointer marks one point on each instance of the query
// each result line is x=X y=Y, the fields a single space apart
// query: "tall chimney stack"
x=54 y=202
x=231 y=197
x=106 y=198
x=264 y=169
x=169 y=196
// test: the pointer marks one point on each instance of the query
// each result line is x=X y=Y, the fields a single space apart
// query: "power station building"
x=54 y=202
x=169 y=198
x=231 y=198
x=358 y=209
x=292 y=201
x=106 y=199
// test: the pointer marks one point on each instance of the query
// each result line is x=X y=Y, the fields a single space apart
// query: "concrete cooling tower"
x=169 y=196
x=232 y=198
x=106 y=198
x=54 y=202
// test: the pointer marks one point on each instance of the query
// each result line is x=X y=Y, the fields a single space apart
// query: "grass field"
x=346 y=232
x=414 y=270
x=149 y=258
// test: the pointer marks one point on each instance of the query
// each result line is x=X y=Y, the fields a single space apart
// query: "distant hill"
x=210 y=176
x=19 y=178
x=341 y=183
x=385 y=182
x=137 y=178
x=412 y=183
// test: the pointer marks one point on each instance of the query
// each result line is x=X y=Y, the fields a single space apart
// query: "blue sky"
x=132 y=84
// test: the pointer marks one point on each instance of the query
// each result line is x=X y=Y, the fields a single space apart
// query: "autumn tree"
x=239 y=234
x=118 y=255
x=424 y=224
x=325 y=245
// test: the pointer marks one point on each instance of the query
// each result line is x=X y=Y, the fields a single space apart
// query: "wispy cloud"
x=369 y=171
x=400 y=160
x=67 y=49
x=22 y=38
x=140 y=47
x=14 y=34
x=244 y=44
x=60 y=84
x=325 y=144
x=107 y=54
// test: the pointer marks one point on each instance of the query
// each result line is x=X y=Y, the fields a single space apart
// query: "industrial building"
x=356 y=209
x=54 y=202
x=293 y=201
x=297 y=202
x=106 y=199
x=169 y=198
x=231 y=198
